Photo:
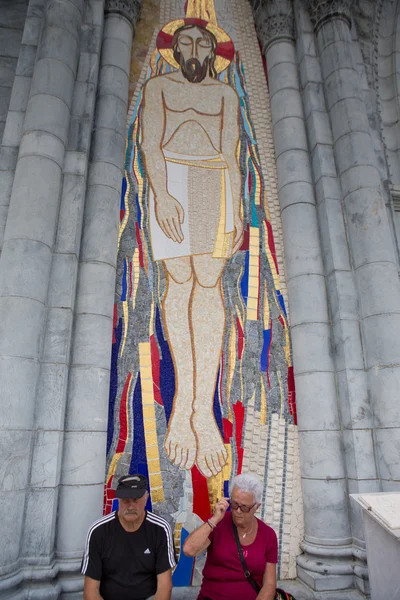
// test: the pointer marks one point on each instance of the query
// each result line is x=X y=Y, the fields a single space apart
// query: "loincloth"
x=201 y=184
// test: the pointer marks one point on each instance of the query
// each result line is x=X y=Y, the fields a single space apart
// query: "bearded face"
x=193 y=70
x=193 y=51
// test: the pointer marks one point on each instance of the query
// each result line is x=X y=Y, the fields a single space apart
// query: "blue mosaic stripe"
x=183 y=572
x=244 y=284
x=139 y=458
x=217 y=405
x=265 y=350
x=123 y=192
x=113 y=384
x=123 y=282
x=281 y=301
x=167 y=371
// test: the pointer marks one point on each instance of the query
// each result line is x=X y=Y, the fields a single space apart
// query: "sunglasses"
x=245 y=509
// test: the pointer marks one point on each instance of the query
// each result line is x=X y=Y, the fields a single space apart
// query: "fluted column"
x=323 y=473
x=26 y=258
x=42 y=501
x=355 y=409
x=370 y=240
x=83 y=467
x=17 y=107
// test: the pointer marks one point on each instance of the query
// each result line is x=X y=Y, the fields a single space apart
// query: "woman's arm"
x=199 y=540
x=268 y=589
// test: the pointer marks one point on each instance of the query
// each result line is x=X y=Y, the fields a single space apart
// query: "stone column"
x=321 y=447
x=83 y=467
x=17 y=107
x=355 y=410
x=26 y=258
x=42 y=500
x=371 y=244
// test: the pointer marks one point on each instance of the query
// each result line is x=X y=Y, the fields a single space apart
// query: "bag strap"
x=247 y=573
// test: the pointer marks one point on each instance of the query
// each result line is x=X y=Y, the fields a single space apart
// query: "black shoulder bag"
x=279 y=594
x=247 y=573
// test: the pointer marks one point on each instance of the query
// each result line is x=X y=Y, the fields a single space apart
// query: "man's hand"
x=238 y=239
x=170 y=216
x=219 y=510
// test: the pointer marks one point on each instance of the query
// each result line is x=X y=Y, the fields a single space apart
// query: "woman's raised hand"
x=220 y=509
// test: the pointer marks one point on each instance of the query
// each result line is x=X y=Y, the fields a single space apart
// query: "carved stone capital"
x=274 y=20
x=324 y=10
x=129 y=9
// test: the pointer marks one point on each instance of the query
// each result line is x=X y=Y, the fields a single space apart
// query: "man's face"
x=132 y=509
x=195 y=49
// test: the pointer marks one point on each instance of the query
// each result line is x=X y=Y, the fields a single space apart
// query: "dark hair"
x=210 y=36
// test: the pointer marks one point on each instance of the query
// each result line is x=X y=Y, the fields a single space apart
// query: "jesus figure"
x=190 y=127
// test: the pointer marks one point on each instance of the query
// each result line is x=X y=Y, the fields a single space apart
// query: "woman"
x=223 y=573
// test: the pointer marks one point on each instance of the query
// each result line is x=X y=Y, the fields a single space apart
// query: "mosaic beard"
x=193 y=70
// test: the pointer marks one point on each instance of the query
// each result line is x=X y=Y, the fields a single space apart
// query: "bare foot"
x=180 y=441
x=211 y=453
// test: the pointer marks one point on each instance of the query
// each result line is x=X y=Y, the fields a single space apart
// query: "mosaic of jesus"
x=201 y=358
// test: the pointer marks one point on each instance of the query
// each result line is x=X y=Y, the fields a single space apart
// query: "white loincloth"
x=178 y=166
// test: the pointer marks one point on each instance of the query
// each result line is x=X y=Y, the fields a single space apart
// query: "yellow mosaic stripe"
x=211 y=163
x=263 y=411
x=135 y=275
x=257 y=188
x=267 y=316
x=126 y=319
x=215 y=484
x=149 y=420
x=232 y=354
x=202 y=9
x=177 y=538
x=254 y=276
x=126 y=203
x=113 y=465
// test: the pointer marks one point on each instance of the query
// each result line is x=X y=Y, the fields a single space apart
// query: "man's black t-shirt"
x=127 y=563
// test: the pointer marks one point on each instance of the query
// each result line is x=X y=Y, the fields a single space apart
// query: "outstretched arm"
x=169 y=211
x=229 y=145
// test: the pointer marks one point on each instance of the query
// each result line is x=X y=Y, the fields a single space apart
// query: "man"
x=129 y=553
x=190 y=127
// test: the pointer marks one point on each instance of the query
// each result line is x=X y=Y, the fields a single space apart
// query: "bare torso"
x=193 y=116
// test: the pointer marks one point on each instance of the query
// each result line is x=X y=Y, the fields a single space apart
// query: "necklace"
x=247 y=532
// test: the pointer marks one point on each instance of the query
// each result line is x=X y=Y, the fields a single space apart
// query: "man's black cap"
x=131 y=486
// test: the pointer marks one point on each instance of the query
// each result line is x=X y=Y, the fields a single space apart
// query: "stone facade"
x=320 y=126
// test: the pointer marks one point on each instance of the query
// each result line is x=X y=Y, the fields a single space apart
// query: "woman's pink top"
x=223 y=575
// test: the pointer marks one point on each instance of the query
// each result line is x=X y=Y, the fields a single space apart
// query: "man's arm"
x=91 y=589
x=230 y=137
x=164 y=586
x=169 y=211
x=268 y=589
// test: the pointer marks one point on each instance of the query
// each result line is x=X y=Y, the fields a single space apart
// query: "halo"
x=224 y=52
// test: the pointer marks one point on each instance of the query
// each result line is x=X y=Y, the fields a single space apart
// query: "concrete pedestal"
x=381 y=515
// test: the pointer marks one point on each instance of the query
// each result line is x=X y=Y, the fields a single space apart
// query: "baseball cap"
x=131 y=486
